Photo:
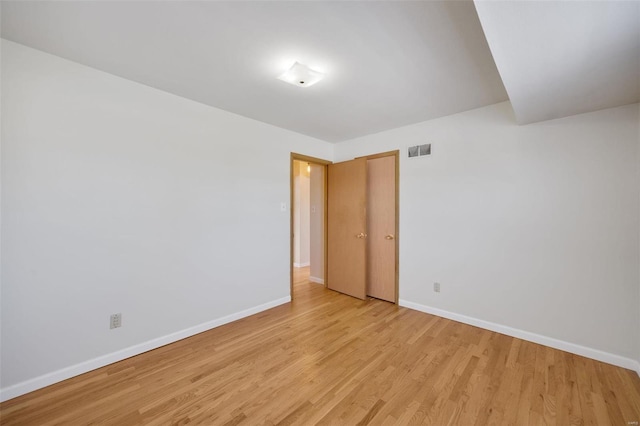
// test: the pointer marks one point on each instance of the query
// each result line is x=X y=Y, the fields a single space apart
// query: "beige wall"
x=301 y=212
x=317 y=224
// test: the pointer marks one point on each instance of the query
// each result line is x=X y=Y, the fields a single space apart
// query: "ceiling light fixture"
x=301 y=75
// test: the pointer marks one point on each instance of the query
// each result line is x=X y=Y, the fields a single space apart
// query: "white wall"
x=117 y=197
x=316 y=197
x=531 y=230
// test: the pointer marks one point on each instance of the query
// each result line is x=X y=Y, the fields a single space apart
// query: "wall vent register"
x=419 y=150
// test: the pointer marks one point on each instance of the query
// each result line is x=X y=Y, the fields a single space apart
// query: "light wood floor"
x=327 y=358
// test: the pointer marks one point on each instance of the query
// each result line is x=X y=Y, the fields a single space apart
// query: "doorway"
x=344 y=225
x=308 y=221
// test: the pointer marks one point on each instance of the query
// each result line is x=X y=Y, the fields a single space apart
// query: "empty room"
x=320 y=212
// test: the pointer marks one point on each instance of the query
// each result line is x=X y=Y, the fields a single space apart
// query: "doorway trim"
x=320 y=162
x=396 y=154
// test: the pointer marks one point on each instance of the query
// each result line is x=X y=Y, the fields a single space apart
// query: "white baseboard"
x=301 y=265
x=316 y=280
x=573 y=348
x=86 y=366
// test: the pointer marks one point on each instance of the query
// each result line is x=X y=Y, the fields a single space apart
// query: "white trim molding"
x=92 y=364
x=573 y=348
x=301 y=265
x=316 y=280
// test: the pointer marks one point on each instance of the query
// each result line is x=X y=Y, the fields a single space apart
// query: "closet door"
x=347 y=227
x=381 y=223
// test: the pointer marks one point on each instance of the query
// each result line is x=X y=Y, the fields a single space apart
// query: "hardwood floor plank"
x=499 y=347
x=327 y=358
x=371 y=413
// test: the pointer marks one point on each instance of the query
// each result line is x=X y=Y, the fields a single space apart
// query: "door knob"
x=361 y=235
x=389 y=237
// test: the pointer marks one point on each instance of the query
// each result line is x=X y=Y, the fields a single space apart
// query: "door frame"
x=396 y=154
x=323 y=163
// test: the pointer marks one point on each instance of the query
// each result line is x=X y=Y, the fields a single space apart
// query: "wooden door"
x=347 y=227
x=381 y=225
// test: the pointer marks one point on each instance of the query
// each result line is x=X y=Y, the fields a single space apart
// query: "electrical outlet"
x=436 y=287
x=116 y=321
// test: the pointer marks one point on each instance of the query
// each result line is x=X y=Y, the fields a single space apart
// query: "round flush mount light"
x=301 y=75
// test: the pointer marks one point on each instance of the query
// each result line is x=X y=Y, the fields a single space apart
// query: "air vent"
x=419 y=150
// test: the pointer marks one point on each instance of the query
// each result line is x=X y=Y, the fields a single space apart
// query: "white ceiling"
x=388 y=63
x=560 y=58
